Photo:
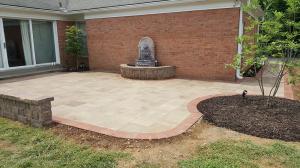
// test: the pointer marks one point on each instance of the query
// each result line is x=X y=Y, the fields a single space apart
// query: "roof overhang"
x=132 y=9
x=161 y=7
x=104 y=8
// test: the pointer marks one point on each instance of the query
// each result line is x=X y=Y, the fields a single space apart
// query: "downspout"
x=240 y=47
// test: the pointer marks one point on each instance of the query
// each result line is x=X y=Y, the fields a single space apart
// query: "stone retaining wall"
x=36 y=113
x=148 y=73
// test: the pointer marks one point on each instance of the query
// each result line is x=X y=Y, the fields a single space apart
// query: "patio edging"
x=194 y=116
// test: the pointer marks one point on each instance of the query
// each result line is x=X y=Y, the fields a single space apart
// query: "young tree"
x=74 y=43
x=273 y=5
x=278 y=37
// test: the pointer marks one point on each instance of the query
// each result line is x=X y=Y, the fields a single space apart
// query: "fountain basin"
x=147 y=73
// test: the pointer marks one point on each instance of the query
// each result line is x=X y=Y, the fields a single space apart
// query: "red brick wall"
x=66 y=60
x=198 y=43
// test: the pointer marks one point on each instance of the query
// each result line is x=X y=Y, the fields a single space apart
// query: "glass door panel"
x=18 y=47
x=82 y=27
x=43 y=42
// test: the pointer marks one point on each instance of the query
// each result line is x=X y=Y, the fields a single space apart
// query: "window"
x=43 y=42
x=27 y=43
x=81 y=26
x=18 y=47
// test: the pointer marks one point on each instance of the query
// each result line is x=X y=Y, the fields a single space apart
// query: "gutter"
x=240 y=47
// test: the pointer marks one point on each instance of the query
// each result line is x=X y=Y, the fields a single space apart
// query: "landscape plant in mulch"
x=277 y=39
x=250 y=115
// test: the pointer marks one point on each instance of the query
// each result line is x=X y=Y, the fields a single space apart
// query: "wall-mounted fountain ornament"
x=146 y=66
x=146 y=53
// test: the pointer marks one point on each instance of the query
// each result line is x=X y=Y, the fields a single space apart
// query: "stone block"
x=37 y=113
x=148 y=73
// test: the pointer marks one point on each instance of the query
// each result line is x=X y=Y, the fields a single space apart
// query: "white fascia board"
x=159 y=9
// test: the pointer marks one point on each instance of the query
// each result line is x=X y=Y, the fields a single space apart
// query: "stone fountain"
x=146 y=53
x=146 y=66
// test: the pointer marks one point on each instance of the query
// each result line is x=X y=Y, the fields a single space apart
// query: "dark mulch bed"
x=252 y=115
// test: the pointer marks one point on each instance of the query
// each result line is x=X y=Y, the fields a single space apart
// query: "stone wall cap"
x=36 y=101
x=45 y=99
x=146 y=67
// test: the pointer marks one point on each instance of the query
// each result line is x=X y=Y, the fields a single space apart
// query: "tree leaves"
x=74 y=41
x=278 y=37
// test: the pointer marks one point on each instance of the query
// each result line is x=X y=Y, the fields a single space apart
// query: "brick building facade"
x=198 y=43
x=196 y=36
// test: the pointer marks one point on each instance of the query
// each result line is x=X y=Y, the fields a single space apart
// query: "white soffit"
x=158 y=7
x=163 y=7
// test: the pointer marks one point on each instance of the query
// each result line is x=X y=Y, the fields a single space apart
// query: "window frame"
x=4 y=51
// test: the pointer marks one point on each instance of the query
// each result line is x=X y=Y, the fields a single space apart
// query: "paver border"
x=194 y=116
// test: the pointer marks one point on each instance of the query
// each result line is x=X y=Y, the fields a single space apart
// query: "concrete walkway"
x=112 y=103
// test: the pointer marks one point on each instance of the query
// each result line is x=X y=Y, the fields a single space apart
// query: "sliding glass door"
x=17 y=37
x=27 y=43
x=43 y=42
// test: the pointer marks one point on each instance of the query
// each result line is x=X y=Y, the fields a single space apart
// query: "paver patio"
x=112 y=103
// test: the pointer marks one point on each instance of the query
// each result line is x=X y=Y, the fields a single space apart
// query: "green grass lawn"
x=234 y=154
x=24 y=147
x=147 y=165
